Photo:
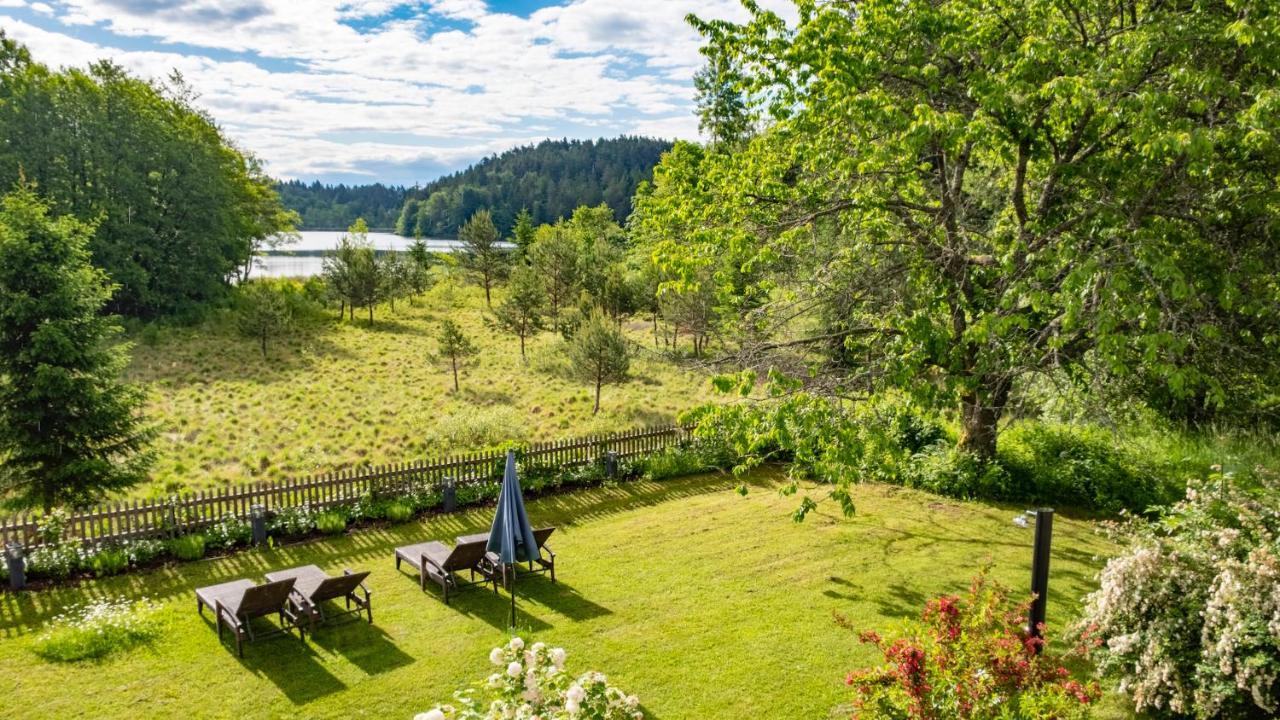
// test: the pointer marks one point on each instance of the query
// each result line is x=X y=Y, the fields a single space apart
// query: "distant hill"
x=335 y=207
x=550 y=179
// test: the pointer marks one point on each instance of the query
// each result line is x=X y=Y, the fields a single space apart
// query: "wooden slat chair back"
x=338 y=587
x=266 y=599
x=466 y=556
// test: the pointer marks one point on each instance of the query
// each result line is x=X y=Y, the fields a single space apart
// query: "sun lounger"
x=441 y=565
x=313 y=589
x=237 y=603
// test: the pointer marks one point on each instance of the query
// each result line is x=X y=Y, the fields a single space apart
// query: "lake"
x=280 y=263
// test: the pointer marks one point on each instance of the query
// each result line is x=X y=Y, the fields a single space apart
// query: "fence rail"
x=193 y=511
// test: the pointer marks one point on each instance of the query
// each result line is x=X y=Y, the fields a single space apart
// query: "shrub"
x=950 y=471
x=531 y=683
x=97 y=629
x=56 y=560
x=188 y=547
x=143 y=551
x=1081 y=466
x=108 y=561
x=477 y=427
x=228 y=532
x=293 y=521
x=971 y=660
x=399 y=511
x=331 y=522
x=1189 y=613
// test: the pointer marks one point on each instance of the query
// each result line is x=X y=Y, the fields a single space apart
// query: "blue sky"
x=397 y=92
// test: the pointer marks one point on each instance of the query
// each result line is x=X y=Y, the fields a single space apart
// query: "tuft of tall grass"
x=96 y=629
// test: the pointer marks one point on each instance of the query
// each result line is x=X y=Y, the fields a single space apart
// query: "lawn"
x=705 y=603
x=344 y=394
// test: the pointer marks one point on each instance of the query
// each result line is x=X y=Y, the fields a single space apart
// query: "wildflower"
x=495 y=656
x=514 y=670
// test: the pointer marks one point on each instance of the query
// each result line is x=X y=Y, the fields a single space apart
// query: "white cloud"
x=434 y=86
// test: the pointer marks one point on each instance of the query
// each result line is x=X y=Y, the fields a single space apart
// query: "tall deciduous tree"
x=520 y=313
x=70 y=430
x=969 y=192
x=454 y=348
x=481 y=253
x=599 y=353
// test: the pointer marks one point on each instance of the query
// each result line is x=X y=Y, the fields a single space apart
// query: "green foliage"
x=947 y=202
x=178 y=208
x=481 y=254
x=522 y=232
x=55 y=560
x=108 y=561
x=681 y=461
x=228 y=532
x=399 y=511
x=599 y=353
x=520 y=312
x=454 y=348
x=70 y=429
x=331 y=522
x=95 y=630
x=262 y=312
x=333 y=207
x=292 y=521
x=188 y=547
x=548 y=180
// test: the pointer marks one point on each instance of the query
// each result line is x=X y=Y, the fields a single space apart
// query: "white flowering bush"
x=530 y=684
x=1188 y=617
x=96 y=629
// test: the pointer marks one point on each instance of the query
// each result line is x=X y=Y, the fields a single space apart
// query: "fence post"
x=450 y=494
x=1040 y=575
x=258 y=520
x=16 y=561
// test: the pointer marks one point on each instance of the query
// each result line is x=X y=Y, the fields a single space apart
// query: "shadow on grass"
x=292 y=666
x=559 y=596
x=372 y=548
x=366 y=646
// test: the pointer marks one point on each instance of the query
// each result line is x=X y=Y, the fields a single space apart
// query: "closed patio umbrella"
x=511 y=537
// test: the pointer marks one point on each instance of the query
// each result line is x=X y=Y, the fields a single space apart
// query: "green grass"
x=704 y=603
x=344 y=394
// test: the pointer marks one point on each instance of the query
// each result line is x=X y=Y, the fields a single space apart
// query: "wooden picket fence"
x=190 y=512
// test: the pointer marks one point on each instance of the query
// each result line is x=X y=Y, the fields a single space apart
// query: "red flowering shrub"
x=971 y=660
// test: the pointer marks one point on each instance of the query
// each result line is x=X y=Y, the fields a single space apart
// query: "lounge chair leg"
x=397 y=562
x=200 y=607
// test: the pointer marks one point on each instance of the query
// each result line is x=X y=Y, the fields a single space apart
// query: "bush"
x=1189 y=613
x=331 y=522
x=228 y=532
x=97 y=629
x=143 y=551
x=478 y=427
x=531 y=683
x=57 y=560
x=108 y=561
x=293 y=521
x=1081 y=466
x=971 y=660
x=949 y=471
x=399 y=511
x=188 y=547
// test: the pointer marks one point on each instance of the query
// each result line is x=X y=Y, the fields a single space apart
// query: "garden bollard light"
x=1040 y=574
x=258 y=520
x=611 y=464
x=450 y=495
x=17 y=564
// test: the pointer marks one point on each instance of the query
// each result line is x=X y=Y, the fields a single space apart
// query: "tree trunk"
x=597 y=408
x=454 y=360
x=370 y=314
x=352 y=310
x=342 y=309
x=980 y=413
x=488 y=301
x=264 y=346
x=655 y=330
x=522 y=355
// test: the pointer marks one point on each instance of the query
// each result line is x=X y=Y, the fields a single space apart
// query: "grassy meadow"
x=340 y=394
x=704 y=603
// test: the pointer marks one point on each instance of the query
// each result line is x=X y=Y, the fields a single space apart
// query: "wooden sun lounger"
x=237 y=603
x=313 y=588
x=441 y=565
x=546 y=559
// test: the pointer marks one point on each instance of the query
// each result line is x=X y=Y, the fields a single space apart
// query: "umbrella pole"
x=513 y=596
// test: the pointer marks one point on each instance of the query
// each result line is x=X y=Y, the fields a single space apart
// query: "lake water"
x=280 y=263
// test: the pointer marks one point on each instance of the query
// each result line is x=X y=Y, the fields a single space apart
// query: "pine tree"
x=70 y=430
x=262 y=312
x=481 y=253
x=521 y=312
x=599 y=353
x=455 y=348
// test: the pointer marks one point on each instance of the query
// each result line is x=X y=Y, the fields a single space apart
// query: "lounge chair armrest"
x=550 y=552
x=364 y=588
x=221 y=611
x=428 y=561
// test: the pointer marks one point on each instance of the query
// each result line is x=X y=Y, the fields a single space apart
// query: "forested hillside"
x=550 y=179
x=334 y=207
x=177 y=211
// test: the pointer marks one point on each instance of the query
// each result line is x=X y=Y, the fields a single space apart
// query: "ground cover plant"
x=98 y=628
x=737 y=581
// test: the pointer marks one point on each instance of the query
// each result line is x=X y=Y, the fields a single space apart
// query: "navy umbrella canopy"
x=511 y=537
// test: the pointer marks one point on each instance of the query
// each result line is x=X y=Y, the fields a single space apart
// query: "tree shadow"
x=900 y=602
x=486 y=396
x=289 y=663
x=366 y=646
